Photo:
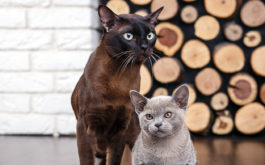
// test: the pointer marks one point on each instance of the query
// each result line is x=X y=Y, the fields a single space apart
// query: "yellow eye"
x=128 y=36
x=150 y=36
x=168 y=115
x=149 y=116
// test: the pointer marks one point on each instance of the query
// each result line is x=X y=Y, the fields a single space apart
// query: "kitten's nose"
x=144 y=47
x=158 y=124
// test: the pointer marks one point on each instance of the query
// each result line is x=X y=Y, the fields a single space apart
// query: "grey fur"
x=170 y=144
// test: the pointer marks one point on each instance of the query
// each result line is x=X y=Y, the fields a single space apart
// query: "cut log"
x=195 y=54
x=166 y=70
x=252 y=38
x=253 y=13
x=229 y=58
x=141 y=13
x=242 y=89
x=208 y=81
x=250 y=119
x=140 y=2
x=262 y=93
x=221 y=8
x=223 y=124
x=170 y=38
x=233 y=32
x=119 y=7
x=219 y=101
x=146 y=80
x=198 y=117
x=169 y=11
x=206 y=27
x=192 y=94
x=160 y=92
x=189 y=14
x=257 y=61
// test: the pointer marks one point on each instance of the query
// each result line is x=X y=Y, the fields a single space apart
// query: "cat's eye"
x=150 y=36
x=168 y=115
x=149 y=116
x=128 y=36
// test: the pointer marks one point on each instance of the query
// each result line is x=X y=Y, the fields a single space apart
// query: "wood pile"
x=217 y=47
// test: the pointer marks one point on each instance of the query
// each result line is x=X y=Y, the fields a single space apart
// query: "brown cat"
x=106 y=120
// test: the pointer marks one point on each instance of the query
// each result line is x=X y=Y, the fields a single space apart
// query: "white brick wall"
x=44 y=46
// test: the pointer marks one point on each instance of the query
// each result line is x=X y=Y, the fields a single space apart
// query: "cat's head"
x=128 y=34
x=161 y=116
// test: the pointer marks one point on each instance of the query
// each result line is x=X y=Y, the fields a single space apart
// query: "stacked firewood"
x=217 y=47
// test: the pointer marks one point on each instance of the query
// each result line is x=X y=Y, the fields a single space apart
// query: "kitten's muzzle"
x=158 y=125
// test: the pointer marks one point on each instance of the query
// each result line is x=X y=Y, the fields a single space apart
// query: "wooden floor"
x=28 y=150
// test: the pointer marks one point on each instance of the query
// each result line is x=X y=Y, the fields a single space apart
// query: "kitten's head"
x=128 y=34
x=161 y=116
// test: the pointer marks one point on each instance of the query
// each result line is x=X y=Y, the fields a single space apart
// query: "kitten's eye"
x=168 y=115
x=128 y=36
x=149 y=116
x=150 y=36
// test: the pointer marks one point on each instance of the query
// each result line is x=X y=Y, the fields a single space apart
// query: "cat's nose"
x=144 y=47
x=158 y=124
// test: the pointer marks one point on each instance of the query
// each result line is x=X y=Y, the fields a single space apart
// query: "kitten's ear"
x=107 y=17
x=138 y=100
x=152 y=18
x=181 y=97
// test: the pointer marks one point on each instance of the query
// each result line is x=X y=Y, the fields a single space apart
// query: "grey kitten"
x=164 y=138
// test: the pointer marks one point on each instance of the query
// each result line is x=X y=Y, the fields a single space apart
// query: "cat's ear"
x=181 y=97
x=152 y=18
x=138 y=100
x=107 y=17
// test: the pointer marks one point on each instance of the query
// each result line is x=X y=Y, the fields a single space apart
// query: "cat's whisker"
x=156 y=55
x=154 y=58
x=132 y=62
x=150 y=62
x=125 y=63
x=122 y=65
x=128 y=61
x=157 y=52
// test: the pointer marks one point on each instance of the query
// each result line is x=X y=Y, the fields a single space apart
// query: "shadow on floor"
x=35 y=150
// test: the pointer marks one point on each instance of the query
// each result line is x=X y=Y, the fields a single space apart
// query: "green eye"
x=168 y=115
x=150 y=36
x=149 y=117
x=128 y=36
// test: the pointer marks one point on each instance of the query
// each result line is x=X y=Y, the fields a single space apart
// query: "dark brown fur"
x=105 y=117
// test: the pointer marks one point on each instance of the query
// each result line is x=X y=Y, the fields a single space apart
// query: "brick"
x=12 y=18
x=14 y=103
x=14 y=61
x=66 y=124
x=25 y=3
x=92 y=3
x=63 y=18
x=26 y=82
x=26 y=124
x=77 y=40
x=59 y=61
x=65 y=82
x=25 y=40
x=52 y=103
